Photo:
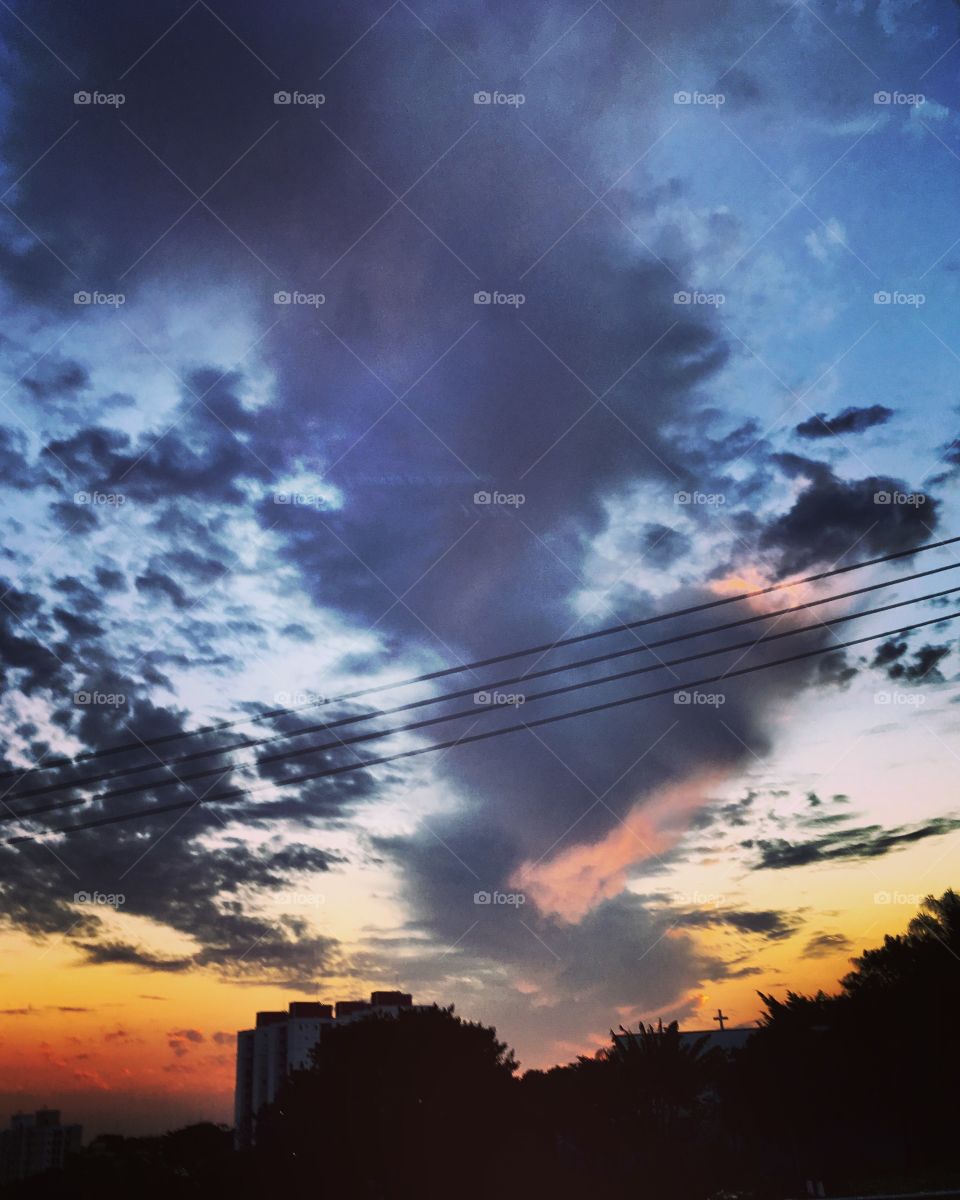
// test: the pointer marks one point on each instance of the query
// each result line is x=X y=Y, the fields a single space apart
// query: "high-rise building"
x=281 y=1042
x=36 y=1142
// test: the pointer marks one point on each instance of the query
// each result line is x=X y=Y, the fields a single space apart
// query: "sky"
x=347 y=343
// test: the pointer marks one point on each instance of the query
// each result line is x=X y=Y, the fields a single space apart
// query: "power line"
x=641 y=647
x=544 y=648
x=600 y=707
x=476 y=737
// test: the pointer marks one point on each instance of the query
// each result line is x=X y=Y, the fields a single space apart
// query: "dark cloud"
x=661 y=546
x=15 y=469
x=31 y=1011
x=735 y=814
x=180 y=1040
x=849 y=420
x=128 y=955
x=155 y=585
x=202 y=455
x=110 y=579
x=869 y=841
x=925 y=664
x=822 y=945
x=893 y=658
x=889 y=652
x=739 y=85
x=768 y=923
x=28 y=659
x=55 y=379
x=833 y=519
x=491 y=398
x=186 y=1035
x=835 y=669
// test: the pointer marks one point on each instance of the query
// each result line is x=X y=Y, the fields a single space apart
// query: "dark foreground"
x=856 y=1090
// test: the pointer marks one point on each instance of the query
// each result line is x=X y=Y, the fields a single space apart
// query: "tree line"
x=855 y=1089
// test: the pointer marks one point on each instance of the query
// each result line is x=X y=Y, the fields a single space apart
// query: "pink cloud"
x=582 y=876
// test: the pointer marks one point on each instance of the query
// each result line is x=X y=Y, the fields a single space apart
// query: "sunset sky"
x=252 y=400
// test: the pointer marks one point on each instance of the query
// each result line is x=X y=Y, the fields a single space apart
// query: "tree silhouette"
x=867 y=1074
x=396 y=1106
x=661 y=1075
x=856 y=1089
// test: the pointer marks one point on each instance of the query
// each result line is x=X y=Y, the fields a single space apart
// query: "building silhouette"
x=281 y=1042
x=36 y=1142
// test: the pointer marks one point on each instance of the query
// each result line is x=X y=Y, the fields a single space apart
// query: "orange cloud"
x=578 y=879
x=748 y=579
x=751 y=579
